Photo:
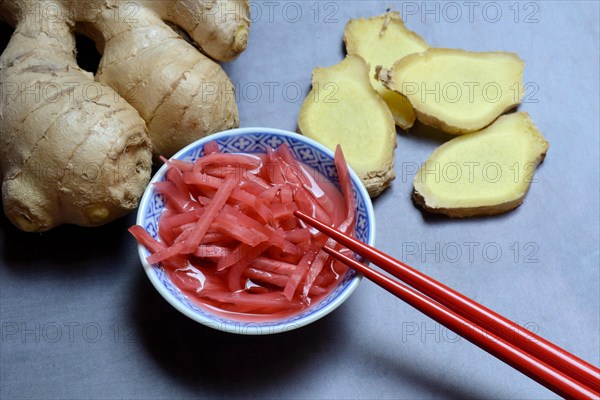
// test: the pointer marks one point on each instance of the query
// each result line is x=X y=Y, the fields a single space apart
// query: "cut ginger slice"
x=381 y=41
x=457 y=91
x=343 y=108
x=483 y=173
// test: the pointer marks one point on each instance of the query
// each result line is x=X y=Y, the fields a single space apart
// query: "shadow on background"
x=69 y=249
x=426 y=134
x=224 y=364
x=88 y=57
x=5 y=33
x=438 y=219
x=228 y=364
x=439 y=386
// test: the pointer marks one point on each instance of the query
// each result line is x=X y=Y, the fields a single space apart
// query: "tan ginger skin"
x=75 y=149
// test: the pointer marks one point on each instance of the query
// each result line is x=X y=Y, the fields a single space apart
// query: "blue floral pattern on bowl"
x=256 y=140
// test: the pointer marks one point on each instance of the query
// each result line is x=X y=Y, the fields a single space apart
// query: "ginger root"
x=457 y=91
x=381 y=41
x=343 y=108
x=75 y=150
x=482 y=173
x=181 y=94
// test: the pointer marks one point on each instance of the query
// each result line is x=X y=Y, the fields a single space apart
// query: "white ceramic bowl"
x=255 y=140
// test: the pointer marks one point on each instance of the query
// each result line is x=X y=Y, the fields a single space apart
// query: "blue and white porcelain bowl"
x=256 y=140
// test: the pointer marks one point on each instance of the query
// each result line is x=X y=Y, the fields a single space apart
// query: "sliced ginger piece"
x=483 y=173
x=343 y=108
x=457 y=91
x=381 y=41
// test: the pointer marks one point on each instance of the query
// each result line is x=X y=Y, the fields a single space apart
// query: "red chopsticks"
x=541 y=360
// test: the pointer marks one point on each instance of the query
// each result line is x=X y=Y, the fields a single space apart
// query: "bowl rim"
x=250 y=328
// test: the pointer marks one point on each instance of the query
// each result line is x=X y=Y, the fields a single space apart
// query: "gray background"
x=79 y=318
